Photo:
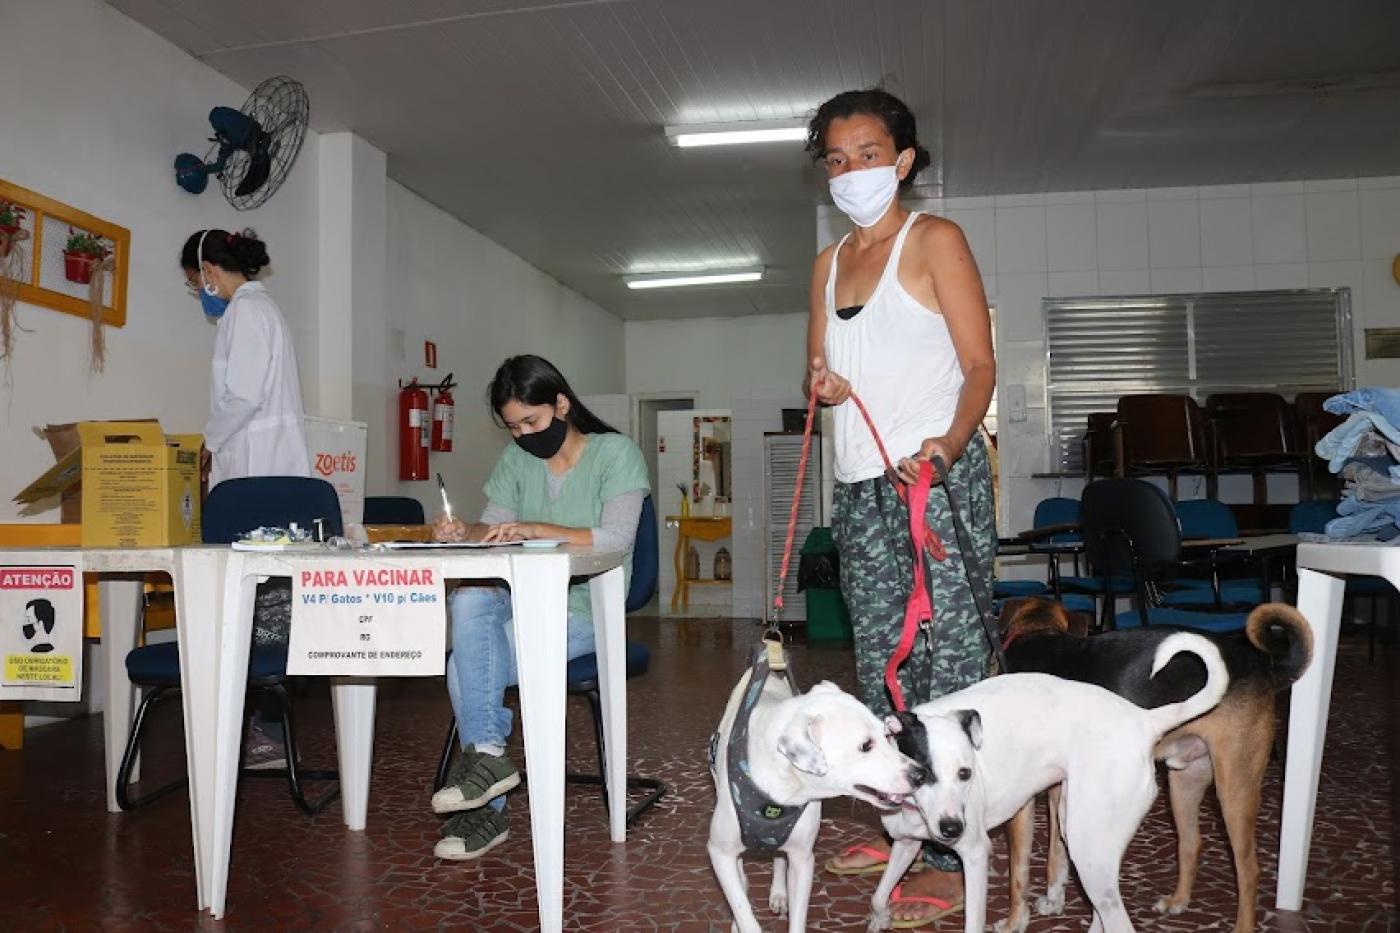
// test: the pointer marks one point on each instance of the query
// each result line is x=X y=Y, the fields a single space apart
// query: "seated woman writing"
x=568 y=476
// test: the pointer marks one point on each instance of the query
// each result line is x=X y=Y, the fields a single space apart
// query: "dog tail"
x=1281 y=632
x=1168 y=717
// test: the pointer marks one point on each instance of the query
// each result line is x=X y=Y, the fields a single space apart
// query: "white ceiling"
x=539 y=123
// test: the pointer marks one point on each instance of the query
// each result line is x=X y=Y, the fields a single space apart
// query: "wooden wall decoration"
x=39 y=272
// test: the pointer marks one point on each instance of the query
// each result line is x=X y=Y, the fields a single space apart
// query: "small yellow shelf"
x=699 y=528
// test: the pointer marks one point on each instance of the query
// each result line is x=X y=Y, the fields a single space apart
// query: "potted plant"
x=11 y=220
x=81 y=253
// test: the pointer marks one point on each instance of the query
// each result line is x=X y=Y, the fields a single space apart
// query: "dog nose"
x=950 y=828
x=918 y=775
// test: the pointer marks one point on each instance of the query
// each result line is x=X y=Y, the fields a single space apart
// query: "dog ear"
x=798 y=744
x=971 y=722
x=893 y=724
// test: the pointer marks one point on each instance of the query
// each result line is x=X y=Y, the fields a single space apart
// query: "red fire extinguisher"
x=413 y=432
x=442 y=416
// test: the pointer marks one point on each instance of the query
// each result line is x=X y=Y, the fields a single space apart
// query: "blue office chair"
x=233 y=508
x=393 y=510
x=1211 y=518
x=1075 y=590
x=1131 y=530
x=1053 y=511
x=1017 y=589
x=582 y=672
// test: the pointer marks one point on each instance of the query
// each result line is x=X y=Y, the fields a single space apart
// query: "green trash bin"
x=827 y=618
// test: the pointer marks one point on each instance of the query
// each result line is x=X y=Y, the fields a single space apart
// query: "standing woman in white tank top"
x=899 y=316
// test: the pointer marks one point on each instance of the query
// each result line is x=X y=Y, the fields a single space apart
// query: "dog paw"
x=879 y=920
x=1012 y=926
x=1050 y=905
x=1169 y=906
x=777 y=902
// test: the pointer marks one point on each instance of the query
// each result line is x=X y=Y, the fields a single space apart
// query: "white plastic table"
x=1322 y=570
x=121 y=575
x=539 y=581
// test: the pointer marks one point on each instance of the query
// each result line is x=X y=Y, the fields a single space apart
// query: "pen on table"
x=446 y=505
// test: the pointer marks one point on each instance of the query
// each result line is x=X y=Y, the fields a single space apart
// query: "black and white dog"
x=994 y=746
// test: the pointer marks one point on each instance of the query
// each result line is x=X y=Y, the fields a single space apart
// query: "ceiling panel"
x=539 y=123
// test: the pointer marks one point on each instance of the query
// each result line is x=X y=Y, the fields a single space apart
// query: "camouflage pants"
x=272 y=614
x=871 y=527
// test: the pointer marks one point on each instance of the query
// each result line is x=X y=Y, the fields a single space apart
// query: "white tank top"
x=900 y=360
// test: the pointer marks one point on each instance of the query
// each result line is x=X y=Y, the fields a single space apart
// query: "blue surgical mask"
x=213 y=305
x=209 y=299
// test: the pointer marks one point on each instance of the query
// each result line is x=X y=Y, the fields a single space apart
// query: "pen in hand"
x=446 y=504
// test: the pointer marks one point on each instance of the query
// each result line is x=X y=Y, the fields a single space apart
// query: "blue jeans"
x=482 y=663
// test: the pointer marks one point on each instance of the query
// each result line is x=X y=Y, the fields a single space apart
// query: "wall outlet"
x=1015 y=403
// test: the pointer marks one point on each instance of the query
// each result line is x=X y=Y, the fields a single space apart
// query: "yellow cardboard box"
x=140 y=487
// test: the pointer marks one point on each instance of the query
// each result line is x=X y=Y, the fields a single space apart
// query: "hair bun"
x=249 y=252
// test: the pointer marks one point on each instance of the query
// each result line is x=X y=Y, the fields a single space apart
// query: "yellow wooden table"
x=698 y=528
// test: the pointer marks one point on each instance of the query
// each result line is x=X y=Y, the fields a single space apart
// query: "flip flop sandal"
x=874 y=868
x=877 y=867
x=941 y=907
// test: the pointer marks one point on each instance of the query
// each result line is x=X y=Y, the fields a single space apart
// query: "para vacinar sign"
x=355 y=618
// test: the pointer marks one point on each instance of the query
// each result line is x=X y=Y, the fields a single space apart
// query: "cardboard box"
x=138 y=486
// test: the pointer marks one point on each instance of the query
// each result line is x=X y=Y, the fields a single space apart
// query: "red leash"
x=796 y=501
x=922 y=538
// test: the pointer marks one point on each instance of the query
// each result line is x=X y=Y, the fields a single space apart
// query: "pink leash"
x=918 y=608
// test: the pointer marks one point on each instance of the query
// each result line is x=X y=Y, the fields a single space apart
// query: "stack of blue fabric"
x=1365 y=452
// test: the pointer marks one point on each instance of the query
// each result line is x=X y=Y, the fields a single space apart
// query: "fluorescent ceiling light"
x=730 y=134
x=664 y=280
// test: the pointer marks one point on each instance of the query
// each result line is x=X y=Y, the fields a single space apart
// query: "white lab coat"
x=255 y=414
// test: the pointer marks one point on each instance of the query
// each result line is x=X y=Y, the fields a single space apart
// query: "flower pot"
x=7 y=238
x=77 y=267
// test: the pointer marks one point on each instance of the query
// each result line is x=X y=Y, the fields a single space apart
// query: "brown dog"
x=1229 y=745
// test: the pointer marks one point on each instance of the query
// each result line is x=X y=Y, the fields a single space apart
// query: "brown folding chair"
x=1162 y=435
x=1099 y=460
x=1254 y=432
x=1312 y=423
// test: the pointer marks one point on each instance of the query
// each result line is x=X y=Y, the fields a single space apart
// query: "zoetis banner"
x=41 y=632
x=361 y=619
x=337 y=450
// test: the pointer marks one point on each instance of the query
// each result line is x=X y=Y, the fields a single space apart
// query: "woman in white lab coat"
x=255 y=423
x=255 y=415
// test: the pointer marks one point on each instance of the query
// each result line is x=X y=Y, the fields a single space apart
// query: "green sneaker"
x=472 y=835
x=461 y=764
x=482 y=779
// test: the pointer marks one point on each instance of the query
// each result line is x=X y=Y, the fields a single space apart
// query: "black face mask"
x=546 y=443
x=28 y=631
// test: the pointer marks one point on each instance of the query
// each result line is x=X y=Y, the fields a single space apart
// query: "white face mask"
x=866 y=194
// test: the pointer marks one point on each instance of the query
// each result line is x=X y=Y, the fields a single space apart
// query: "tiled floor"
x=67 y=864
